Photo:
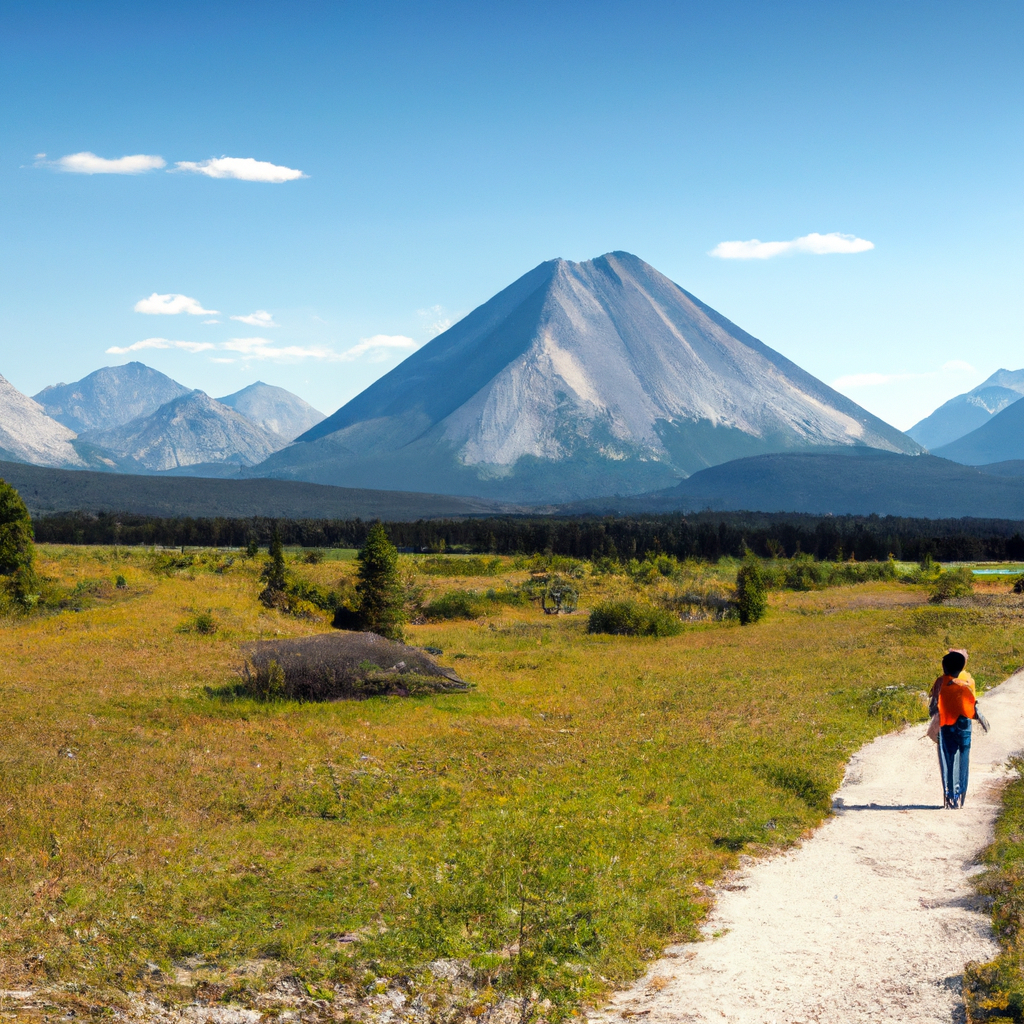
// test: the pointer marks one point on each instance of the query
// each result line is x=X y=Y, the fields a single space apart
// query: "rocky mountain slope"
x=856 y=481
x=274 y=409
x=967 y=412
x=577 y=380
x=1000 y=439
x=27 y=434
x=109 y=397
x=189 y=430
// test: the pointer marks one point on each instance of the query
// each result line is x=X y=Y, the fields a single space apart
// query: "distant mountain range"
x=577 y=380
x=134 y=419
x=1001 y=439
x=274 y=409
x=109 y=397
x=27 y=434
x=189 y=430
x=855 y=481
x=967 y=412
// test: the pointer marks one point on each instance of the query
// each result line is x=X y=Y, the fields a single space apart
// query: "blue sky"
x=447 y=148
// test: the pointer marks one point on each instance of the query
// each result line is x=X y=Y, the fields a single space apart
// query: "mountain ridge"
x=190 y=429
x=575 y=380
x=999 y=439
x=964 y=413
x=109 y=397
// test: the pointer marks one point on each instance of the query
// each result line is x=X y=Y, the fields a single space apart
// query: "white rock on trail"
x=871 y=919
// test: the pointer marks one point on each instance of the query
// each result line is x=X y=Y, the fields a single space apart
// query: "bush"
x=952 y=583
x=381 y=597
x=751 y=592
x=274 y=574
x=201 y=622
x=1018 y=584
x=17 y=550
x=335 y=666
x=630 y=618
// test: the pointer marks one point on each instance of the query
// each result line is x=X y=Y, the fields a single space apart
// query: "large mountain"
x=189 y=430
x=967 y=412
x=1000 y=439
x=855 y=481
x=109 y=397
x=274 y=409
x=27 y=434
x=577 y=380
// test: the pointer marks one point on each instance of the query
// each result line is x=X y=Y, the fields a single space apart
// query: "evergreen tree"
x=381 y=598
x=274 y=573
x=751 y=591
x=17 y=550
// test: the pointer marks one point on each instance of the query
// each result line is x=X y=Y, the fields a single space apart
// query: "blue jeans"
x=954 y=759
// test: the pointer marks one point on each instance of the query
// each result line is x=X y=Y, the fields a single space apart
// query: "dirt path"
x=872 y=919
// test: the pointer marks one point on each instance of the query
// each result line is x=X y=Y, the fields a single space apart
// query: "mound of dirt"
x=342 y=665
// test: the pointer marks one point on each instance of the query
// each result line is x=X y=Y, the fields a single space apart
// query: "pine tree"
x=274 y=573
x=381 y=598
x=17 y=550
x=751 y=591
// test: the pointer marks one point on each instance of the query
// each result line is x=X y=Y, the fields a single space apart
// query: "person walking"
x=956 y=707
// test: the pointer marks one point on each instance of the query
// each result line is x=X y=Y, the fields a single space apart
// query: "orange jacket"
x=955 y=699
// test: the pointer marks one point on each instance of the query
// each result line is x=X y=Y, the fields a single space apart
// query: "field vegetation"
x=527 y=843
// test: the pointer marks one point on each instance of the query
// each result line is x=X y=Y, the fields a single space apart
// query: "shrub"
x=751 y=592
x=201 y=622
x=631 y=618
x=381 y=598
x=17 y=551
x=1018 y=584
x=274 y=574
x=952 y=583
x=334 y=666
x=266 y=682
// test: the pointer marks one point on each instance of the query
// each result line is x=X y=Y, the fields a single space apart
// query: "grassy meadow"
x=536 y=838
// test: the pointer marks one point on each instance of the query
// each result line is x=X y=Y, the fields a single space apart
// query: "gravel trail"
x=871 y=919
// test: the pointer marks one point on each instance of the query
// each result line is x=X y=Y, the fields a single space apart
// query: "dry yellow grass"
x=571 y=809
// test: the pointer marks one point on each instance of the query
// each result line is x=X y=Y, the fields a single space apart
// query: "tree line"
x=705 y=535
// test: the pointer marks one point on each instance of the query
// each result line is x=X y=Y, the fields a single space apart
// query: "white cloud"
x=211 y=321
x=242 y=168
x=379 y=345
x=264 y=348
x=90 y=163
x=187 y=346
x=438 y=319
x=958 y=366
x=819 y=245
x=261 y=318
x=168 y=304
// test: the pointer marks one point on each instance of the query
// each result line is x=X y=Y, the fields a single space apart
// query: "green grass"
x=994 y=992
x=555 y=827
